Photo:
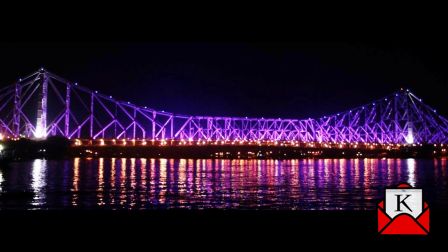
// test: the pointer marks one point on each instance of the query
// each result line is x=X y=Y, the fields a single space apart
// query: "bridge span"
x=43 y=104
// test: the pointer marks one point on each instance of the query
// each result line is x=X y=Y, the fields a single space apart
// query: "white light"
x=2 y=137
x=1 y=147
x=40 y=131
x=410 y=137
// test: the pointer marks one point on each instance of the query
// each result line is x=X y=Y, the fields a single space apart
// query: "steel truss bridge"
x=43 y=104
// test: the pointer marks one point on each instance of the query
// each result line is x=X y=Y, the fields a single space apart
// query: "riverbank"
x=60 y=148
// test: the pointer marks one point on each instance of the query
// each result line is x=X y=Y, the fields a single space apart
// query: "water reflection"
x=75 y=181
x=411 y=171
x=198 y=184
x=38 y=181
x=1 y=180
x=100 y=189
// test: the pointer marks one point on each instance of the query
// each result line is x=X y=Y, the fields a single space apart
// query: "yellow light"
x=102 y=142
x=78 y=142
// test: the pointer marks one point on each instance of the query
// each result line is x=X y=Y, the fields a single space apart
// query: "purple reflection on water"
x=140 y=183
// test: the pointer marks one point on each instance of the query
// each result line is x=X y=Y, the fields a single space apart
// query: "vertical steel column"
x=41 y=122
x=67 y=111
x=172 y=127
x=366 y=121
x=350 y=130
x=91 y=114
x=153 y=125
x=409 y=123
x=381 y=119
x=115 y=121
x=17 y=105
x=396 y=119
x=134 y=122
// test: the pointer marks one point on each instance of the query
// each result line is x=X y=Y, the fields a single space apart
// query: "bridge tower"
x=16 y=113
x=409 y=127
x=41 y=123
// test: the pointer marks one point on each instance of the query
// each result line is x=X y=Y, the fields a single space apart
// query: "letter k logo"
x=402 y=202
x=403 y=212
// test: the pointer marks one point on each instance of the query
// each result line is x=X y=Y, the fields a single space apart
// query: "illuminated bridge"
x=43 y=104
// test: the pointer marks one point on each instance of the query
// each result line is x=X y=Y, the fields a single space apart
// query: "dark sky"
x=267 y=76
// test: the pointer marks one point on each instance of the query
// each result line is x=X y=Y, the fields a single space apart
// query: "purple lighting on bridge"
x=73 y=111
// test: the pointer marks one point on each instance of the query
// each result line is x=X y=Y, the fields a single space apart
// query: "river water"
x=140 y=183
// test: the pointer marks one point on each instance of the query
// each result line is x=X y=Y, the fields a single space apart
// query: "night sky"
x=258 y=76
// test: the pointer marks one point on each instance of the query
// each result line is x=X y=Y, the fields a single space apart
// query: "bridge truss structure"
x=43 y=104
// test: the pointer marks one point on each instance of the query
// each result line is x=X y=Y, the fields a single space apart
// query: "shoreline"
x=61 y=148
